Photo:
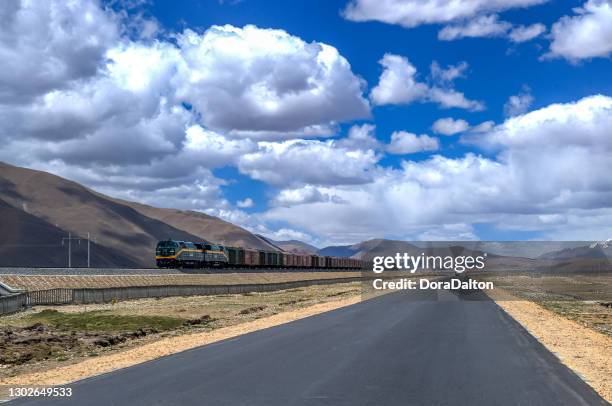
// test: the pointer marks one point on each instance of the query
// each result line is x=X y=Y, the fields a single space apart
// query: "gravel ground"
x=144 y=271
x=586 y=352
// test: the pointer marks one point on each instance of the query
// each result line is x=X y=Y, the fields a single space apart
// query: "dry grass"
x=583 y=298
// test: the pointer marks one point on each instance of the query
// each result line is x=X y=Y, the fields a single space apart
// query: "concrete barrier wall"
x=10 y=304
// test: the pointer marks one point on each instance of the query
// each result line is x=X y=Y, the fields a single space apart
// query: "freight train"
x=184 y=254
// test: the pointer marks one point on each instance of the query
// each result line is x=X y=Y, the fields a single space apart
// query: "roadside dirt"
x=587 y=352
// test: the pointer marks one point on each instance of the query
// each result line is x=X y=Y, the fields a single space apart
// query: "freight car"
x=183 y=254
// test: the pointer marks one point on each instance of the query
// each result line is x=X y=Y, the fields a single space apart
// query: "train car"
x=251 y=258
x=322 y=262
x=281 y=259
x=303 y=260
x=165 y=253
x=327 y=263
x=189 y=255
x=172 y=253
x=214 y=255
x=277 y=259
x=236 y=257
x=315 y=261
x=289 y=260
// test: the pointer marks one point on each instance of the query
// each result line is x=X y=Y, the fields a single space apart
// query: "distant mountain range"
x=542 y=256
x=296 y=247
x=595 y=250
x=382 y=247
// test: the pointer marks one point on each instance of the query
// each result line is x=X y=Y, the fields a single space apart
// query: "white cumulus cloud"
x=251 y=80
x=518 y=103
x=411 y=13
x=524 y=33
x=587 y=34
x=398 y=84
x=403 y=142
x=303 y=195
x=483 y=26
x=308 y=162
x=489 y=26
x=450 y=126
x=360 y=137
x=550 y=175
x=44 y=45
x=109 y=98
x=246 y=203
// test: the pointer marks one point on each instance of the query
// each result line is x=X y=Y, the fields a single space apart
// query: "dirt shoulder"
x=586 y=351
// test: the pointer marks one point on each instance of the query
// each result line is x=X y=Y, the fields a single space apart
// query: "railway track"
x=149 y=271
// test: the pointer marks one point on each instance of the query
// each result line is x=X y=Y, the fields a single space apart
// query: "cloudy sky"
x=326 y=121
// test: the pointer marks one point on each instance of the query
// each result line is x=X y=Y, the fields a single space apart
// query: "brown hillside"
x=29 y=241
x=127 y=228
x=202 y=225
x=296 y=247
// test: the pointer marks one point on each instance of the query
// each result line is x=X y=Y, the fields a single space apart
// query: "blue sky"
x=288 y=165
x=497 y=70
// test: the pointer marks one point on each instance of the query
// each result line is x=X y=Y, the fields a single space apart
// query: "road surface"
x=398 y=349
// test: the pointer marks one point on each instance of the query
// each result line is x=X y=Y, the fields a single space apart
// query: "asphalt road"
x=398 y=349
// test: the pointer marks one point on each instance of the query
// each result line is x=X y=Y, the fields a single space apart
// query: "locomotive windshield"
x=165 y=248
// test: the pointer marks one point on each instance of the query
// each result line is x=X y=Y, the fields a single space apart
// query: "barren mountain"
x=30 y=241
x=204 y=226
x=39 y=209
x=594 y=250
x=296 y=247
